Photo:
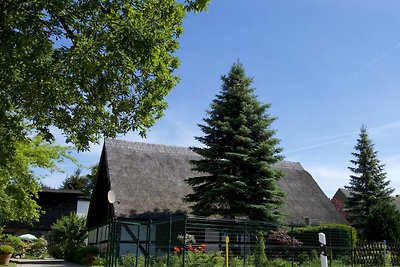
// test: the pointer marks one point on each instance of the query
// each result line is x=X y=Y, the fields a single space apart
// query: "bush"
x=55 y=251
x=15 y=242
x=68 y=235
x=383 y=223
x=260 y=259
x=99 y=260
x=79 y=256
x=6 y=249
x=38 y=249
x=128 y=260
x=347 y=234
x=91 y=249
x=279 y=263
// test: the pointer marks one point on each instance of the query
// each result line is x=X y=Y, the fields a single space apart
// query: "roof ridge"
x=143 y=146
x=289 y=165
x=162 y=148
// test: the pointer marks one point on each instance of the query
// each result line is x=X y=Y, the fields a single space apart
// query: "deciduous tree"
x=19 y=186
x=89 y=68
x=236 y=174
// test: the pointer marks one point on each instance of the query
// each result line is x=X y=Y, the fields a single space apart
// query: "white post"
x=322 y=243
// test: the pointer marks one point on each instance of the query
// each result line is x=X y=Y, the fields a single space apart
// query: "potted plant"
x=5 y=254
x=91 y=253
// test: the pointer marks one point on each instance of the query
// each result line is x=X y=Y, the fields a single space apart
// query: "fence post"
x=352 y=249
x=137 y=244
x=169 y=239
x=184 y=240
x=291 y=233
x=148 y=237
x=227 y=251
x=245 y=244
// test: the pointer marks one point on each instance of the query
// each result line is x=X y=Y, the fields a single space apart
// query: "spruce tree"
x=368 y=183
x=236 y=177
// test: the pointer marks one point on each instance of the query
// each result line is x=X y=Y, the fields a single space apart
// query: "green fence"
x=194 y=241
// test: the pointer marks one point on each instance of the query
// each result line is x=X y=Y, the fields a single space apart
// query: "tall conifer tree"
x=368 y=183
x=237 y=179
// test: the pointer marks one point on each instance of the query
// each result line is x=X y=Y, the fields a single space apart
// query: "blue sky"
x=327 y=67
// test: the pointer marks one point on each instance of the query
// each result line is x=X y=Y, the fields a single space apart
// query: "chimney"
x=307 y=221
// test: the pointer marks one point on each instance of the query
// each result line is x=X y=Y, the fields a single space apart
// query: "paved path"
x=45 y=263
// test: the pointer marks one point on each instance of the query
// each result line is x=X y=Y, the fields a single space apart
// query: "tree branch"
x=67 y=29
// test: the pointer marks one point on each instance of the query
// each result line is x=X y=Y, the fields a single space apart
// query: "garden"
x=198 y=242
x=20 y=247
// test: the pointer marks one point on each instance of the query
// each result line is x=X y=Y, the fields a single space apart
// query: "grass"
x=11 y=264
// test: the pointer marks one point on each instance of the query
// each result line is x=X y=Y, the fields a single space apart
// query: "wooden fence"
x=376 y=254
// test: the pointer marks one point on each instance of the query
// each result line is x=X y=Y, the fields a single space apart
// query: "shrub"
x=314 y=255
x=260 y=259
x=99 y=260
x=128 y=260
x=91 y=249
x=15 y=242
x=282 y=237
x=348 y=234
x=38 y=249
x=68 y=234
x=79 y=256
x=279 y=263
x=303 y=257
x=6 y=249
x=383 y=223
x=55 y=251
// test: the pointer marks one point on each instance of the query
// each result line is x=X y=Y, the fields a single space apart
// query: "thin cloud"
x=375 y=132
x=375 y=61
x=329 y=178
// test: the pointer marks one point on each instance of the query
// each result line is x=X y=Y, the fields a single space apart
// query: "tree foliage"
x=260 y=259
x=368 y=183
x=68 y=234
x=84 y=183
x=239 y=149
x=89 y=68
x=19 y=186
x=383 y=223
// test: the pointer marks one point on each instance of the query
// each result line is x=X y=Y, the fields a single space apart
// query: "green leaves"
x=89 y=68
x=19 y=186
x=68 y=234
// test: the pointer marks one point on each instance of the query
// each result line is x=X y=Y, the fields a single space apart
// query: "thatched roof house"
x=148 y=182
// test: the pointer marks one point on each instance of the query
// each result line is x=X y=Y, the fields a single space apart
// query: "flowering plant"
x=187 y=238
x=191 y=247
x=282 y=237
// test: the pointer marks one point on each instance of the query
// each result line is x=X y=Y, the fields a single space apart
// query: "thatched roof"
x=148 y=181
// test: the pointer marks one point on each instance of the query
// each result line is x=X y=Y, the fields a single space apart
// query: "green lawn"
x=11 y=264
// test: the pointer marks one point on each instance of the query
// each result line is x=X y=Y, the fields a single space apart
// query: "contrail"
x=330 y=139
x=375 y=60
